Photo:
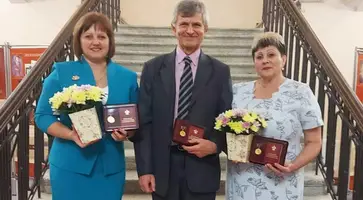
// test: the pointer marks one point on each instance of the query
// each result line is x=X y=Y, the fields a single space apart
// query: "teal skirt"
x=67 y=185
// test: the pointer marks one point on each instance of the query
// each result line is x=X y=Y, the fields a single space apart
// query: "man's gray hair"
x=188 y=8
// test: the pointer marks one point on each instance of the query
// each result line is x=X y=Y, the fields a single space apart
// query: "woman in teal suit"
x=80 y=171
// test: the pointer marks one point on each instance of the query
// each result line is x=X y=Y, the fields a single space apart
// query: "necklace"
x=103 y=75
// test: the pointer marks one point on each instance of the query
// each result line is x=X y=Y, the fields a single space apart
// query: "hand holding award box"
x=80 y=102
x=267 y=150
x=123 y=116
x=243 y=142
x=184 y=131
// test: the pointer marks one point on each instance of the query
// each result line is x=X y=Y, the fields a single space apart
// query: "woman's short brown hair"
x=101 y=22
x=269 y=39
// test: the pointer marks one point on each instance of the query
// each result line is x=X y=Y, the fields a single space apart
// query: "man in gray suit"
x=184 y=84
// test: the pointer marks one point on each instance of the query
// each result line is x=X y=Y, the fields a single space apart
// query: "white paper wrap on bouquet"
x=238 y=147
x=87 y=125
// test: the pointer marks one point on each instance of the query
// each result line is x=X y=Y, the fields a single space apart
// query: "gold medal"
x=182 y=133
x=258 y=151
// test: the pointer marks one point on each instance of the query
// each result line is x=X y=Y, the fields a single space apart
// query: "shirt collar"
x=180 y=55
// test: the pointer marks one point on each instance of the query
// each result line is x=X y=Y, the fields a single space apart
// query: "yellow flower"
x=254 y=128
x=56 y=100
x=236 y=127
x=78 y=97
x=228 y=114
x=218 y=124
x=248 y=118
x=94 y=94
x=66 y=95
x=254 y=116
x=263 y=123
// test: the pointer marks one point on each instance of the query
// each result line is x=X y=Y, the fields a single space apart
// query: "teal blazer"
x=65 y=154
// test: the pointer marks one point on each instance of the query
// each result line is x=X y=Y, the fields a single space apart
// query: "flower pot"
x=238 y=147
x=87 y=125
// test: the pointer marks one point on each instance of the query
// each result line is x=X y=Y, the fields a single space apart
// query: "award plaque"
x=184 y=131
x=120 y=116
x=268 y=150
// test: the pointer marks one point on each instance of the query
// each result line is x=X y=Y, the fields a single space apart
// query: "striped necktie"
x=185 y=89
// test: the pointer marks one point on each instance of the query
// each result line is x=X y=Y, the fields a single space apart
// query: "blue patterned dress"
x=291 y=110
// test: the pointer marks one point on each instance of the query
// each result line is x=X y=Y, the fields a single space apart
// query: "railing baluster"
x=5 y=169
x=264 y=13
x=272 y=14
x=331 y=138
x=286 y=36
x=297 y=59
x=313 y=68
x=304 y=69
x=321 y=101
x=38 y=156
x=23 y=154
x=277 y=18
x=290 y=53
x=113 y=13
x=282 y=18
x=344 y=161
x=358 y=174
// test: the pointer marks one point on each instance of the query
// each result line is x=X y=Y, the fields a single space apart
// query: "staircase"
x=314 y=184
x=135 y=45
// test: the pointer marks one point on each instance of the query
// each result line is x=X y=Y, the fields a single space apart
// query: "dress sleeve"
x=44 y=116
x=310 y=112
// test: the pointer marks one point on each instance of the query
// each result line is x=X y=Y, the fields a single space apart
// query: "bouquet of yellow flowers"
x=240 y=126
x=240 y=121
x=79 y=103
x=76 y=98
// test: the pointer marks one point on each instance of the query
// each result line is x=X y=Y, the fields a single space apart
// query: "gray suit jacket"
x=212 y=94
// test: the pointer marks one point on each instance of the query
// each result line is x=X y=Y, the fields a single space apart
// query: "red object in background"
x=20 y=59
x=359 y=78
x=2 y=75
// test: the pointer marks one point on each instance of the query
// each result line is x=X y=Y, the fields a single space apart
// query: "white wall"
x=339 y=29
x=34 y=23
x=222 y=13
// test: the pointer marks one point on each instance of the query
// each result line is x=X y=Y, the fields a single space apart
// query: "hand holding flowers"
x=240 y=126
x=79 y=103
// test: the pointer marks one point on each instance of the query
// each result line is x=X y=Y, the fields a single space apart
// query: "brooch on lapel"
x=75 y=77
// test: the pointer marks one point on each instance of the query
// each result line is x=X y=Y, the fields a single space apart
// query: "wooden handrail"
x=350 y=99
x=24 y=89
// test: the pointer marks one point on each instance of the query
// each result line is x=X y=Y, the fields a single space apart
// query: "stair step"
x=235 y=77
x=129 y=29
x=147 y=55
x=314 y=185
x=219 y=197
x=165 y=47
x=235 y=67
x=166 y=39
x=148 y=197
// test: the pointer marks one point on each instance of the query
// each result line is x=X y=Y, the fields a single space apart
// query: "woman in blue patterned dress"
x=292 y=111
